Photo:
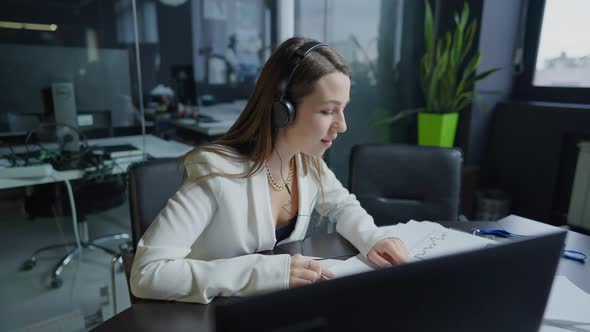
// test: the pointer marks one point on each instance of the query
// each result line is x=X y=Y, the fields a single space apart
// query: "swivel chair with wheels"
x=98 y=190
x=91 y=197
x=397 y=182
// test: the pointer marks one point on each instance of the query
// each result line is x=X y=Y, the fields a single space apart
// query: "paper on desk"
x=549 y=328
x=568 y=307
x=523 y=226
x=426 y=239
x=423 y=239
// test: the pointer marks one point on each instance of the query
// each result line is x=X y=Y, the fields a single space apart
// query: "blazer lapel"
x=304 y=210
x=264 y=224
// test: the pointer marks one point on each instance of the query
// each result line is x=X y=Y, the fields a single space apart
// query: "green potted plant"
x=447 y=77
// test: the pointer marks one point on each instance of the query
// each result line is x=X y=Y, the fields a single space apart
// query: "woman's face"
x=320 y=116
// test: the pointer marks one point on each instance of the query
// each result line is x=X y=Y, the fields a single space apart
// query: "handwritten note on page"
x=424 y=240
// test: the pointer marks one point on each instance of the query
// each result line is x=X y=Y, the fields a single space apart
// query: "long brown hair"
x=252 y=136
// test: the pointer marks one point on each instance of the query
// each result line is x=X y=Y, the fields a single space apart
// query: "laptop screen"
x=500 y=288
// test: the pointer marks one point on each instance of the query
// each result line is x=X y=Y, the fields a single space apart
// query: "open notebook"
x=424 y=240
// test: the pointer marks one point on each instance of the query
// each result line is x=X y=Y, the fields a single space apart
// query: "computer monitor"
x=500 y=288
x=33 y=77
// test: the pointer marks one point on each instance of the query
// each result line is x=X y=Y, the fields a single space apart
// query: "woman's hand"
x=305 y=271
x=388 y=252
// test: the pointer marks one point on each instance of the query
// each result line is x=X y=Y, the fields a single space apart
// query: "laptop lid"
x=500 y=288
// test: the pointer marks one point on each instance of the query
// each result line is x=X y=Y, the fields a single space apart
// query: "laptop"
x=499 y=288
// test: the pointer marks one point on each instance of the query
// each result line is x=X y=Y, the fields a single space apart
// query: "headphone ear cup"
x=283 y=113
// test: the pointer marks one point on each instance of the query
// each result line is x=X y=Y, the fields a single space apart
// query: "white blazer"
x=201 y=244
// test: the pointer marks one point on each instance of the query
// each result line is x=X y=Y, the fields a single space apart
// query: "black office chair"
x=151 y=184
x=397 y=182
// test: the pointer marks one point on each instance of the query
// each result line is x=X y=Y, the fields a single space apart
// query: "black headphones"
x=283 y=111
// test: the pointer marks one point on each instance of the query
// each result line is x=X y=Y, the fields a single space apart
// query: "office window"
x=552 y=52
x=563 y=56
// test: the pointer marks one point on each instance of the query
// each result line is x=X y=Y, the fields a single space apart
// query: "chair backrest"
x=398 y=182
x=151 y=184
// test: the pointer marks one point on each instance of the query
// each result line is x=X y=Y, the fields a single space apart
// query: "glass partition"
x=199 y=63
x=69 y=99
x=81 y=83
x=64 y=62
x=103 y=72
x=367 y=34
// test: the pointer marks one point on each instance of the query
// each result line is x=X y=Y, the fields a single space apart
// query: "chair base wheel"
x=29 y=264
x=56 y=283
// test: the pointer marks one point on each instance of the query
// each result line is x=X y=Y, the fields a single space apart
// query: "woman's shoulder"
x=314 y=166
x=215 y=158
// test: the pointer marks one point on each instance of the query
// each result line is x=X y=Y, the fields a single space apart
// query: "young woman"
x=257 y=186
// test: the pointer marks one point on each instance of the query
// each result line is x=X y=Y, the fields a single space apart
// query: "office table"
x=177 y=316
x=223 y=115
x=152 y=145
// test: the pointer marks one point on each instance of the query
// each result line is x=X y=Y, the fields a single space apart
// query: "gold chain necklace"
x=274 y=183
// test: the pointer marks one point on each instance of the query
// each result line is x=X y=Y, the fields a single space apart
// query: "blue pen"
x=496 y=232
x=574 y=255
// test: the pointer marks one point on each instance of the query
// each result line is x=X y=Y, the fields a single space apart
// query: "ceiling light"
x=28 y=26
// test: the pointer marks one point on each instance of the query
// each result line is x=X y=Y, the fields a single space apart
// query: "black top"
x=283 y=232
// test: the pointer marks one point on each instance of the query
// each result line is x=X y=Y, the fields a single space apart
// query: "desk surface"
x=224 y=114
x=152 y=145
x=176 y=316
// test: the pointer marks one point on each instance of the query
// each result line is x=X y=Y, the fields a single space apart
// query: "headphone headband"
x=283 y=111
x=300 y=53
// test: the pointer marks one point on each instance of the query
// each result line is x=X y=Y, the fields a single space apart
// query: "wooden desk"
x=176 y=316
